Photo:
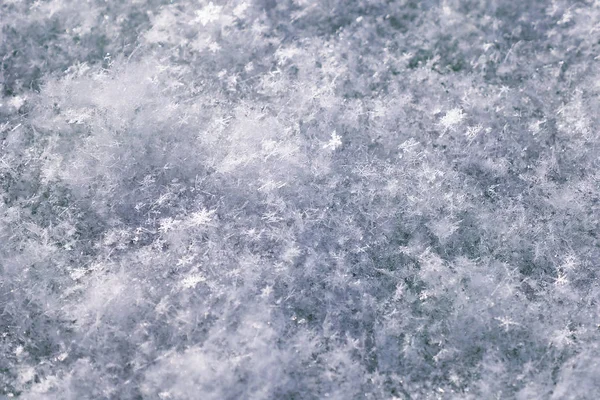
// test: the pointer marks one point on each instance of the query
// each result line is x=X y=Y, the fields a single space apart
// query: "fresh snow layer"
x=299 y=199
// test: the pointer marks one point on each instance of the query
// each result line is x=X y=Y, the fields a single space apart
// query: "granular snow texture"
x=299 y=199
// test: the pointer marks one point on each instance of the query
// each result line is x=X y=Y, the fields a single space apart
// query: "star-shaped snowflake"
x=208 y=14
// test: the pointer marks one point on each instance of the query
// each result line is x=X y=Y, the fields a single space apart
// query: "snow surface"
x=299 y=199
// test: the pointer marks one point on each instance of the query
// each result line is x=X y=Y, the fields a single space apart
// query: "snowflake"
x=535 y=126
x=186 y=260
x=167 y=224
x=271 y=217
x=561 y=279
x=424 y=295
x=571 y=262
x=454 y=378
x=473 y=131
x=291 y=253
x=214 y=47
x=270 y=185
x=208 y=14
x=562 y=338
x=408 y=145
x=191 y=281
x=487 y=46
x=253 y=233
x=148 y=181
x=267 y=290
x=566 y=18
x=27 y=374
x=77 y=117
x=77 y=273
x=202 y=217
x=444 y=228
x=287 y=53
x=232 y=82
x=334 y=142
x=452 y=118
x=240 y=10
x=17 y=102
x=506 y=322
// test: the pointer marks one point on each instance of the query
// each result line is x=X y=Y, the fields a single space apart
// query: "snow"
x=299 y=199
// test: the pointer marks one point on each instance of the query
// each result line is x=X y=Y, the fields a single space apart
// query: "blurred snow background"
x=299 y=199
